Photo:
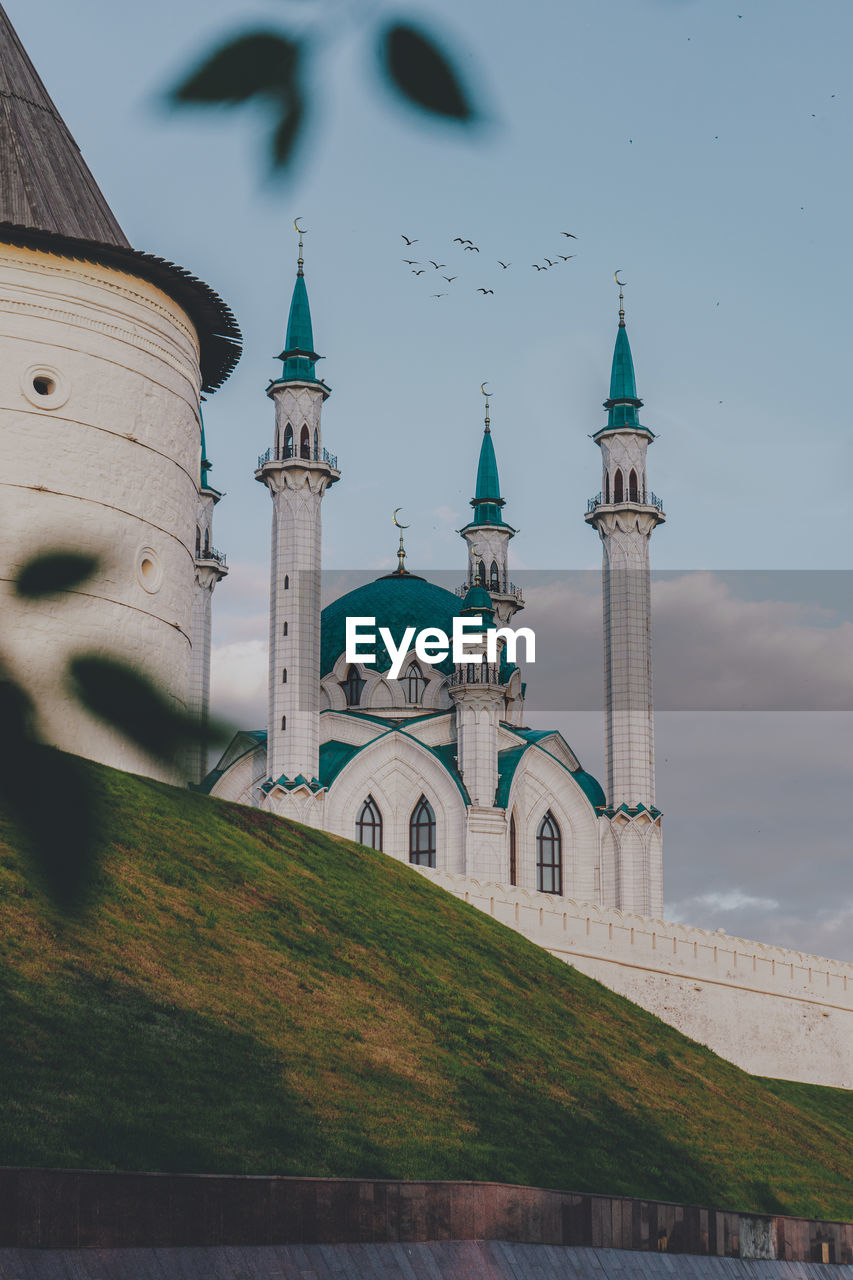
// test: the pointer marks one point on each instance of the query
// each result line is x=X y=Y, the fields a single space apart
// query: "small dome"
x=478 y=600
x=396 y=601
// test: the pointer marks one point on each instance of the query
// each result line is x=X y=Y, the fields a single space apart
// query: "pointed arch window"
x=422 y=834
x=197 y=542
x=286 y=582
x=415 y=682
x=284 y=629
x=494 y=577
x=607 y=486
x=618 y=486
x=288 y=441
x=284 y=675
x=368 y=824
x=481 y=574
x=284 y=722
x=206 y=541
x=304 y=443
x=513 y=853
x=549 y=856
x=316 y=445
x=633 y=487
x=352 y=688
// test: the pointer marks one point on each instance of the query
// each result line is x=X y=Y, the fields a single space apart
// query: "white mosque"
x=436 y=767
x=106 y=353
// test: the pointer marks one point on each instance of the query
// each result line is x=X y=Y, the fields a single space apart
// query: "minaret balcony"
x=642 y=500
x=209 y=555
x=478 y=673
x=297 y=455
x=506 y=591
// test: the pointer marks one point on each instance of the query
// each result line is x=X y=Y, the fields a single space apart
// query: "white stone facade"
x=107 y=462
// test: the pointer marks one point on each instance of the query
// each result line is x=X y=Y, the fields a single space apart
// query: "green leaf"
x=49 y=796
x=422 y=73
x=119 y=695
x=262 y=65
x=54 y=571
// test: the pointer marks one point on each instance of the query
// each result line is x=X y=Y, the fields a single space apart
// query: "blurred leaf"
x=421 y=72
x=262 y=64
x=54 y=571
x=132 y=703
x=49 y=796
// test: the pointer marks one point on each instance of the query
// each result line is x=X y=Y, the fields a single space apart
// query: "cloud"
x=731 y=900
x=239 y=674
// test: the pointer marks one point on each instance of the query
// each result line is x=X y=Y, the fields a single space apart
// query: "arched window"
x=415 y=682
x=618 y=486
x=288 y=441
x=352 y=688
x=549 y=857
x=284 y=629
x=368 y=824
x=284 y=676
x=633 y=488
x=304 y=443
x=316 y=445
x=206 y=541
x=481 y=574
x=286 y=583
x=513 y=857
x=197 y=542
x=422 y=834
x=284 y=722
x=607 y=486
x=494 y=577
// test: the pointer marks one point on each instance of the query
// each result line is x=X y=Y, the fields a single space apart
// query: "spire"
x=299 y=356
x=623 y=402
x=46 y=184
x=401 y=550
x=487 y=500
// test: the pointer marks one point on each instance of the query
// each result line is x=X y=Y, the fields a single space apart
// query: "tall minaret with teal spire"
x=297 y=470
x=488 y=534
x=625 y=514
x=210 y=568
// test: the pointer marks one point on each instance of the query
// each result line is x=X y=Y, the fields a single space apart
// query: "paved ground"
x=457 y=1260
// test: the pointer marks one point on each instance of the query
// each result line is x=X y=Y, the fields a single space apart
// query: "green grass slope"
x=250 y=996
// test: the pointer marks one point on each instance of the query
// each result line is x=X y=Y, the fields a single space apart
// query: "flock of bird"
x=418 y=268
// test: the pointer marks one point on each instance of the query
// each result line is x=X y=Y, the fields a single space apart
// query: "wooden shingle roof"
x=50 y=201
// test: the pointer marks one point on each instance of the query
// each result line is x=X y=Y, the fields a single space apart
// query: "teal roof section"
x=334 y=756
x=487 y=500
x=396 y=601
x=478 y=600
x=299 y=357
x=623 y=404
x=509 y=759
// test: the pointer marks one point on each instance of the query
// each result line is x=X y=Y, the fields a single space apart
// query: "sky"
x=700 y=147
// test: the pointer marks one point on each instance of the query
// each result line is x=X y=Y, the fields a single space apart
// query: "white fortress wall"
x=108 y=462
x=769 y=1010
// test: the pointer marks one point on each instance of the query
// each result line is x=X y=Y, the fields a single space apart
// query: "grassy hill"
x=250 y=996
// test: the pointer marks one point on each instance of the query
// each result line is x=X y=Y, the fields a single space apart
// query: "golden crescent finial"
x=296 y=227
x=396 y=521
x=484 y=391
x=620 y=283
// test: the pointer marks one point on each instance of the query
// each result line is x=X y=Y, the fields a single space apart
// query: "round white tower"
x=625 y=514
x=297 y=470
x=104 y=352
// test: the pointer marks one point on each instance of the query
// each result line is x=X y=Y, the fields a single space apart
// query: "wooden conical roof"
x=45 y=183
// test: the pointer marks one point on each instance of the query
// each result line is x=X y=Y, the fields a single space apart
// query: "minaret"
x=210 y=568
x=479 y=696
x=625 y=513
x=488 y=535
x=297 y=470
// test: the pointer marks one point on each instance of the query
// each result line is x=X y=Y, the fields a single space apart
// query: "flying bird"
x=472 y=247
x=482 y=290
x=413 y=262
x=569 y=234
x=438 y=265
x=550 y=263
x=408 y=241
x=439 y=295
x=538 y=268
x=504 y=264
x=459 y=240
x=419 y=273
x=565 y=256
x=450 y=279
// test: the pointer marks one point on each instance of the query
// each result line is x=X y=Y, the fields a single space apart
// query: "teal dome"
x=396 y=601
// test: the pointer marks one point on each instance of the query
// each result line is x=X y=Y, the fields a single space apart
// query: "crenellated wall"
x=769 y=1010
